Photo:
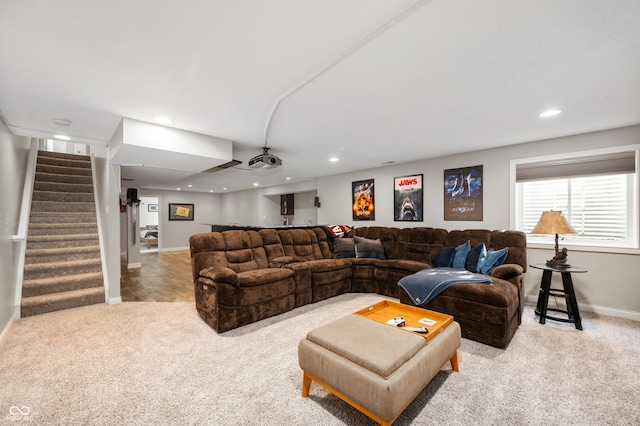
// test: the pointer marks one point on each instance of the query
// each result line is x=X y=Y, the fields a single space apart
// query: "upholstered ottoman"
x=376 y=368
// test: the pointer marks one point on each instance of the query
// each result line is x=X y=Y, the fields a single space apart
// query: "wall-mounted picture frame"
x=408 y=199
x=362 y=202
x=463 y=193
x=179 y=211
x=152 y=207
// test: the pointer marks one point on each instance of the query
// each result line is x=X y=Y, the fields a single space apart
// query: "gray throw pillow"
x=344 y=248
x=366 y=247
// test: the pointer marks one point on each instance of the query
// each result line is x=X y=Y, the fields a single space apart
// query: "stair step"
x=63 y=155
x=61 y=217
x=50 y=241
x=35 y=271
x=42 y=286
x=59 y=178
x=62 y=225
x=50 y=168
x=59 y=254
x=59 y=301
x=69 y=207
x=64 y=228
x=77 y=163
x=43 y=185
x=63 y=197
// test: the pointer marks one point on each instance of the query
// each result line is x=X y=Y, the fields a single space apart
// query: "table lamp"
x=552 y=222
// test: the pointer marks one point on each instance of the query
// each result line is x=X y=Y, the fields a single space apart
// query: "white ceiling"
x=368 y=81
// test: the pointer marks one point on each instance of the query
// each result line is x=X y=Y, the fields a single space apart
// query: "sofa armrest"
x=279 y=262
x=221 y=275
x=509 y=272
x=513 y=273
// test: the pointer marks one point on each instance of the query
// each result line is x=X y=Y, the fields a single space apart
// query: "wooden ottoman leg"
x=306 y=384
x=454 y=361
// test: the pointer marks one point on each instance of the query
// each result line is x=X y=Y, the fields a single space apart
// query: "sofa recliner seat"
x=234 y=285
x=329 y=277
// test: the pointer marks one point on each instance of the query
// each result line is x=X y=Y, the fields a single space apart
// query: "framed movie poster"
x=180 y=211
x=463 y=193
x=363 y=200
x=408 y=198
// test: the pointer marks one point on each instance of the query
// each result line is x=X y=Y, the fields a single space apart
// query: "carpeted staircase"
x=63 y=267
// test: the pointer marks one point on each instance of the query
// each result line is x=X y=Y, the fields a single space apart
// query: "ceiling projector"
x=265 y=161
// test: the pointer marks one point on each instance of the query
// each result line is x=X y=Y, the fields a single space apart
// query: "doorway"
x=149 y=224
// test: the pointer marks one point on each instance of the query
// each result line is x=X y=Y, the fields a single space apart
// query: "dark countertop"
x=221 y=228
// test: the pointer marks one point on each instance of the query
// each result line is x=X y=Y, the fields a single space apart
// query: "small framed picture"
x=152 y=207
x=180 y=211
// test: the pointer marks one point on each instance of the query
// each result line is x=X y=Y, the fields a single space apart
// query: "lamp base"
x=559 y=260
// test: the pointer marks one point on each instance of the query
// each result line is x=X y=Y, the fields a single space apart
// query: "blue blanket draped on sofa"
x=424 y=285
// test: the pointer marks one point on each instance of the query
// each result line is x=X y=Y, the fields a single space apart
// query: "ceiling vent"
x=224 y=166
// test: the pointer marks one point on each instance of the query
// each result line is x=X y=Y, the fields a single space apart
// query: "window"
x=596 y=194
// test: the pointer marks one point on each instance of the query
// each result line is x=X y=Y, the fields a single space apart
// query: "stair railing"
x=23 y=222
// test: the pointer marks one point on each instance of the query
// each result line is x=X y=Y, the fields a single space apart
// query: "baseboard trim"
x=5 y=331
x=174 y=249
x=134 y=265
x=597 y=309
x=114 y=300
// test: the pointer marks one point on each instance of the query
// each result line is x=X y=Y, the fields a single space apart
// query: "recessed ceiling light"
x=288 y=178
x=190 y=186
x=549 y=113
x=163 y=120
x=211 y=190
x=255 y=184
x=62 y=137
x=224 y=189
x=62 y=122
x=334 y=159
x=178 y=189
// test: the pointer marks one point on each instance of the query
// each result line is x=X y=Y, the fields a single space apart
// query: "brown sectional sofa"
x=243 y=276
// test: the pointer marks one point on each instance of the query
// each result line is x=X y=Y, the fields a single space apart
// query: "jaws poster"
x=408 y=198
x=463 y=193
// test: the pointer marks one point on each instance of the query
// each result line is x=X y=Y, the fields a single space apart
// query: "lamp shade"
x=552 y=222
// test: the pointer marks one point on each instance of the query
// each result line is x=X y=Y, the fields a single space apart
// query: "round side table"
x=567 y=291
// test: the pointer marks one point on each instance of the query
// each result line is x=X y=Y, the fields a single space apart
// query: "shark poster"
x=408 y=198
x=463 y=193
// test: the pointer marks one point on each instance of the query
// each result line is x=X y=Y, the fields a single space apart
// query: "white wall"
x=305 y=213
x=14 y=152
x=261 y=207
x=107 y=183
x=175 y=234
x=610 y=286
x=147 y=217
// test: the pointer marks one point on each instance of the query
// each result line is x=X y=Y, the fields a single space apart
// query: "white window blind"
x=596 y=196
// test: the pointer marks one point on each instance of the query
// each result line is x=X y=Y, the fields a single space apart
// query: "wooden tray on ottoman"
x=385 y=310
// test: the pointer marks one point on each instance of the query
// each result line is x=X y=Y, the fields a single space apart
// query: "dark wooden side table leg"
x=572 y=303
x=543 y=296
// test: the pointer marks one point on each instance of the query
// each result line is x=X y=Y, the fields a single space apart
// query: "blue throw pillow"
x=460 y=255
x=475 y=258
x=444 y=257
x=494 y=258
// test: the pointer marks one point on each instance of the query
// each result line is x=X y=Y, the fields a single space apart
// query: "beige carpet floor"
x=159 y=363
